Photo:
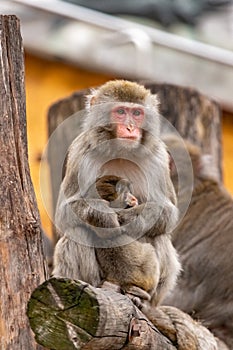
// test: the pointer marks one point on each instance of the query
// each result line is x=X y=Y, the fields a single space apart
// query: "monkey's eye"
x=137 y=112
x=120 y=111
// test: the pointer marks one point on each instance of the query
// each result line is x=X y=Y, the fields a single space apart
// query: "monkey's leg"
x=75 y=260
x=170 y=268
x=131 y=269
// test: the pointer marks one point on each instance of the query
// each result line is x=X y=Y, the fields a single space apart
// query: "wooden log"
x=61 y=138
x=195 y=116
x=22 y=265
x=68 y=315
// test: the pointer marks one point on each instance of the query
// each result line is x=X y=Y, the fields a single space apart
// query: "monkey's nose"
x=130 y=127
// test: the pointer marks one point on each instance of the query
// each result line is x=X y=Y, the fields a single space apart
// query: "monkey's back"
x=204 y=241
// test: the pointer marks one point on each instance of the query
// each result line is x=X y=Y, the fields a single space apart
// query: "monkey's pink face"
x=128 y=121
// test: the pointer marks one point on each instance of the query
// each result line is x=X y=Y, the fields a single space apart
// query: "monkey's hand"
x=137 y=215
x=96 y=213
x=150 y=218
x=131 y=200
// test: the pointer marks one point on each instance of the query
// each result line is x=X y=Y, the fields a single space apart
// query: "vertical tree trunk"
x=22 y=264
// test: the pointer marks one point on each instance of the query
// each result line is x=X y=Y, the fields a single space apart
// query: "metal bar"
x=113 y=23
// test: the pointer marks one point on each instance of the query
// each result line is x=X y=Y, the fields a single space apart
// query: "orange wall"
x=47 y=82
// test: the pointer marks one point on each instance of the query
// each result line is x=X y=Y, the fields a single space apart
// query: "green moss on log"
x=63 y=314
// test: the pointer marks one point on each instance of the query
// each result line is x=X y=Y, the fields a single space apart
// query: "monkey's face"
x=128 y=119
x=130 y=109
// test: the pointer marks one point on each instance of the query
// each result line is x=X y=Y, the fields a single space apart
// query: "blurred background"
x=77 y=44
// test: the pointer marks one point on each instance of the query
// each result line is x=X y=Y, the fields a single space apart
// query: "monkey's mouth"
x=130 y=138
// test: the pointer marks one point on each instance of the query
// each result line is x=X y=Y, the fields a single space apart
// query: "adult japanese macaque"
x=204 y=241
x=121 y=138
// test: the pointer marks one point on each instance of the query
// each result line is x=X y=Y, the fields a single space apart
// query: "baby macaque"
x=117 y=191
x=129 y=265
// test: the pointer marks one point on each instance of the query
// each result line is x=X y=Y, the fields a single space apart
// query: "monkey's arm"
x=95 y=213
x=72 y=209
x=151 y=218
x=160 y=213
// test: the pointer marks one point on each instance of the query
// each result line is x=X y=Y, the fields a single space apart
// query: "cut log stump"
x=68 y=315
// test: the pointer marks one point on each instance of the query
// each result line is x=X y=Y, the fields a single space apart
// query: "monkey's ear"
x=154 y=100
x=122 y=185
x=172 y=165
x=207 y=168
x=119 y=186
x=91 y=99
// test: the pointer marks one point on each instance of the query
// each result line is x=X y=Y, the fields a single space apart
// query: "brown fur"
x=121 y=91
x=106 y=187
x=204 y=240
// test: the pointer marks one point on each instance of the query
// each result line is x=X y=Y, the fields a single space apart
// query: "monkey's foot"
x=138 y=292
x=138 y=296
x=109 y=285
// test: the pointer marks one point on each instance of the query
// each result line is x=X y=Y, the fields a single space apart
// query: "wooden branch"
x=67 y=315
x=22 y=265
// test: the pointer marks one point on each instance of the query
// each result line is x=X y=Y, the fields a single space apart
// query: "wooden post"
x=22 y=264
x=69 y=315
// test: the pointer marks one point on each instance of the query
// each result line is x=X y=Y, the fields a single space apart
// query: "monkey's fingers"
x=134 y=291
x=138 y=296
x=137 y=301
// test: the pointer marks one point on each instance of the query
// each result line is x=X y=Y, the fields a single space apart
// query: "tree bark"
x=68 y=315
x=61 y=138
x=22 y=265
x=195 y=116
